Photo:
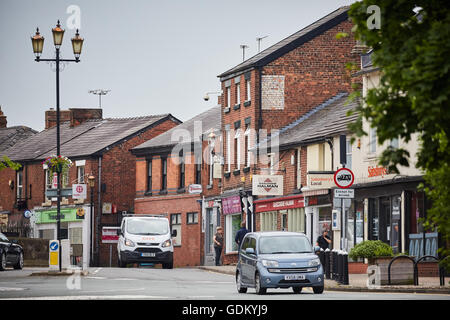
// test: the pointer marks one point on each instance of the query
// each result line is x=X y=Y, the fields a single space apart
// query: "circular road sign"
x=344 y=178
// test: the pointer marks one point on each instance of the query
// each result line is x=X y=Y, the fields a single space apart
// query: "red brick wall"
x=190 y=252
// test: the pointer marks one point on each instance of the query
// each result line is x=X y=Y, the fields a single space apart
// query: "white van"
x=145 y=239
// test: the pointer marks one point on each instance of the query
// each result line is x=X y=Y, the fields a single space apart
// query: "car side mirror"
x=250 y=251
x=174 y=233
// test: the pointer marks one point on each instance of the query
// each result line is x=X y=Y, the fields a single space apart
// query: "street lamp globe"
x=77 y=44
x=38 y=43
x=58 y=34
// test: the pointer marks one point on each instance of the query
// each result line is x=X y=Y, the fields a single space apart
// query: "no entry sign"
x=344 y=178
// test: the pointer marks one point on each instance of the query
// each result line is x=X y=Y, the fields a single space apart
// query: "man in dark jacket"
x=241 y=234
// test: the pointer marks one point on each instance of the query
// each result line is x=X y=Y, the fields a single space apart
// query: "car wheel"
x=168 y=265
x=19 y=264
x=239 y=286
x=318 y=290
x=3 y=262
x=258 y=288
x=297 y=289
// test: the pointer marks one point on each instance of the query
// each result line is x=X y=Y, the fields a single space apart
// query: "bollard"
x=327 y=264
x=345 y=268
x=339 y=263
x=335 y=264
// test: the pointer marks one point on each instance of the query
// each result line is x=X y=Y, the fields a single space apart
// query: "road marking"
x=95 y=272
x=200 y=297
x=123 y=279
x=12 y=289
x=113 y=290
x=98 y=278
x=115 y=297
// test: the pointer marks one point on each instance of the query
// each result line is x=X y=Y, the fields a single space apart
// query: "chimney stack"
x=75 y=116
x=3 y=120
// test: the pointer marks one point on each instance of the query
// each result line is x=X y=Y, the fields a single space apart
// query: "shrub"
x=371 y=249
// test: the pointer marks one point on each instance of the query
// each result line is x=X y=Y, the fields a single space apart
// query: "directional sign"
x=53 y=259
x=54 y=245
x=54 y=192
x=344 y=178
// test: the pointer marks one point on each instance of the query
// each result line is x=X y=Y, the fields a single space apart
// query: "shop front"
x=281 y=214
x=210 y=221
x=232 y=216
x=75 y=226
x=318 y=210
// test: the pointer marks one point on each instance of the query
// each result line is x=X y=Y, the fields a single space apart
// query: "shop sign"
x=231 y=205
x=317 y=200
x=195 y=188
x=107 y=208
x=50 y=216
x=3 y=219
x=279 y=205
x=79 y=191
x=320 y=180
x=377 y=171
x=267 y=185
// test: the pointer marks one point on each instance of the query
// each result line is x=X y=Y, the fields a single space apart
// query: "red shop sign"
x=279 y=204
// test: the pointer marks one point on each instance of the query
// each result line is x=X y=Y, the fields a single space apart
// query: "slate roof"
x=12 y=135
x=291 y=42
x=326 y=120
x=89 y=138
x=210 y=120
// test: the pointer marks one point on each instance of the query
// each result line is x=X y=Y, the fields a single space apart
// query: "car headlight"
x=129 y=243
x=269 y=263
x=166 y=243
x=314 y=262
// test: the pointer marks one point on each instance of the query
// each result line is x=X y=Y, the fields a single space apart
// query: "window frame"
x=182 y=171
x=178 y=223
x=190 y=215
x=248 y=90
x=19 y=184
x=149 y=175
x=238 y=93
x=163 y=174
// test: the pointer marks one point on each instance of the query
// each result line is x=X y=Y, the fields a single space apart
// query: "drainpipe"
x=99 y=211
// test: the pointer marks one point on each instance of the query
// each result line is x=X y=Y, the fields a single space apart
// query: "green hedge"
x=371 y=249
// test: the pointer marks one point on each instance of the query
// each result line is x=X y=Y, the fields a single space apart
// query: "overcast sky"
x=155 y=56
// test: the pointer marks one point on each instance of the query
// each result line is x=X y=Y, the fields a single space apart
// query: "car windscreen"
x=147 y=226
x=284 y=244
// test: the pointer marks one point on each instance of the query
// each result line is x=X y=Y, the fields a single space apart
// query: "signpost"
x=53 y=259
x=343 y=178
x=110 y=235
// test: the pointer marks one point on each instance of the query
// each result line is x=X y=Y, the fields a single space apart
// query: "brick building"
x=269 y=91
x=96 y=146
x=173 y=176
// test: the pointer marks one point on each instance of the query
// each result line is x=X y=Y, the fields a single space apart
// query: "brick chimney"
x=3 y=121
x=75 y=116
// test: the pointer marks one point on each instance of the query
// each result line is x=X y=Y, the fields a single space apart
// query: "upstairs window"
x=19 y=188
x=198 y=170
x=149 y=175
x=163 y=174
x=228 y=97
x=248 y=90
x=349 y=154
x=182 y=168
x=373 y=140
x=80 y=174
x=238 y=93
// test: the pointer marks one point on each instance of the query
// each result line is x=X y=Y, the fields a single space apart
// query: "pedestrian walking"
x=218 y=244
x=240 y=235
x=324 y=240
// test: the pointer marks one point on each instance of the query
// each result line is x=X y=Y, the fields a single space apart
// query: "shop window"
x=48 y=234
x=324 y=219
x=175 y=224
x=232 y=225
x=192 y=217
x=268 y=221
x=296 y=220
x=76 y=235
x=373 y=219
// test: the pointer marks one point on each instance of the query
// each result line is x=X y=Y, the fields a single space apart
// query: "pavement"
x=358 y=283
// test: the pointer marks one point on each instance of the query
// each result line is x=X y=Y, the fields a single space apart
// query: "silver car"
x=278 y=260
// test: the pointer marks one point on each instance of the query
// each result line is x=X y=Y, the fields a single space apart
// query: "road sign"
x=109 y=234
x=344 y=193
x=344 y=178
x=53 y=254
x=79 y=191
x=54 y=193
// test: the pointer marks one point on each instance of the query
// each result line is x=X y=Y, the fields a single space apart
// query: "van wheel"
x=318 y=290
x=121 y=263
x=168 y=265
x=258 y=288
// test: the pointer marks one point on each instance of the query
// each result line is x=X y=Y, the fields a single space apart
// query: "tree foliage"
x=412 y=48
x=7 y=163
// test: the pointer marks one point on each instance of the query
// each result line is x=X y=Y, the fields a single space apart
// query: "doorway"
x=210 y=229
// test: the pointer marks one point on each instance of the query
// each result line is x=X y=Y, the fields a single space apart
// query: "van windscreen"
x=147 y=226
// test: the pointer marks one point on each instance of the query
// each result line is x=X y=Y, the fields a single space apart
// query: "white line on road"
x=96 y=271
x=116 y=297
x=12 y=289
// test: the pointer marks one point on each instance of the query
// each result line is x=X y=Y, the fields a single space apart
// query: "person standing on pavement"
x=324 y=240
x=240 y=235
x=218 y=244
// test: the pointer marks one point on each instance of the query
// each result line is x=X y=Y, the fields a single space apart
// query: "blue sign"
x=27 y=214
x=54 y=246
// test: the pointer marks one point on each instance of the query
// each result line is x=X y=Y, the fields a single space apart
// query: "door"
x=210 y=230
x=244 y=259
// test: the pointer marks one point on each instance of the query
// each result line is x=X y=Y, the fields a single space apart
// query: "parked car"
x=11 y=253
x=278 y=260
x=145 y=239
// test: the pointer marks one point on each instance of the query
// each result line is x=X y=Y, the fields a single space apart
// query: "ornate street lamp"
x=38 y=44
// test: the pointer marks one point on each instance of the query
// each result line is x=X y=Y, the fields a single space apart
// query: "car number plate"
x=294 y=277
x=148 y=254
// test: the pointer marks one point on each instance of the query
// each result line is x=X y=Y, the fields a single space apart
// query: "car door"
x=7 y=248
x=244 y=260
x=252 y=260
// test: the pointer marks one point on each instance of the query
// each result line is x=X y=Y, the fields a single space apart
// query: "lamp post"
x=91 y=180
x=38 y=44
